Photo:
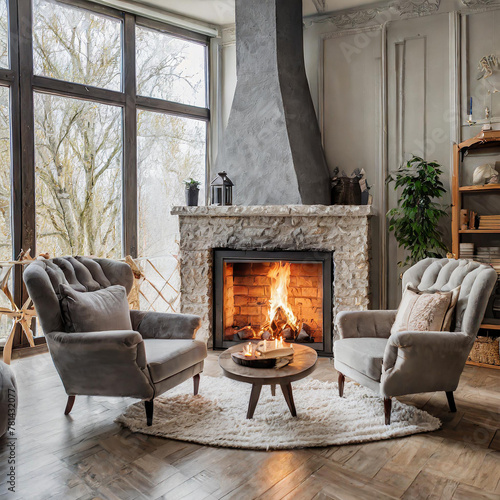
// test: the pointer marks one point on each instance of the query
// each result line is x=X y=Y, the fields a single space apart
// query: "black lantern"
x=221 y=190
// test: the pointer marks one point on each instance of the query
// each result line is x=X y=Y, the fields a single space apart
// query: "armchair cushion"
x=354 y=324
x=364 y=355
x=155 y=325
x=167 y=358
x=101 y=310
x=425 y=310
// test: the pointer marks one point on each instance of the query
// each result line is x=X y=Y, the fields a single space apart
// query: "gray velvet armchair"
x=414 y=362
x=158 y=353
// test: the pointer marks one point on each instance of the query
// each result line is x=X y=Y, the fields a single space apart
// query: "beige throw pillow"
x=425 y=311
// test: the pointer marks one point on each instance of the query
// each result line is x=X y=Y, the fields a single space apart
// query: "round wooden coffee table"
x=304 y=363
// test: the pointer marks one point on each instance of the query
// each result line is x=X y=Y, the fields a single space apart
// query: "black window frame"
x=23 y=83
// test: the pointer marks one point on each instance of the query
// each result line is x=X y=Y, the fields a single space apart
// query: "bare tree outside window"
x=170 y=149
x=4 y=35
x=5 y=199
x=5 y=185
x=76 y=45
x=78 y=147
x=170 y=68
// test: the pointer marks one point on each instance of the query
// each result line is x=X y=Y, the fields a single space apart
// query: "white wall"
x=387 y=83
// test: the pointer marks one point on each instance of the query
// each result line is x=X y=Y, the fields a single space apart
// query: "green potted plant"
x=192 y=192
x=415 y=220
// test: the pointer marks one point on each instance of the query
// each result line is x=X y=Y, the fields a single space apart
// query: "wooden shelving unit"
x=490 y=326
x=475 y=189
x=478 y=231
x=491 y=140
x=484 y=141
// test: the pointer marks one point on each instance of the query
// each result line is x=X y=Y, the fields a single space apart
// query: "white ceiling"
x=221 y=12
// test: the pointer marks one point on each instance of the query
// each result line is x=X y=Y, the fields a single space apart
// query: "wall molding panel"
x=415 y=7
x=379 y=14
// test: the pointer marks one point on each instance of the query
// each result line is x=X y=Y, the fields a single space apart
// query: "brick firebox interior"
x=247 y=292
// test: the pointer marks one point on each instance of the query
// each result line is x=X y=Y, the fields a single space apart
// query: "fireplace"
x=341 y=232
x=270 y=295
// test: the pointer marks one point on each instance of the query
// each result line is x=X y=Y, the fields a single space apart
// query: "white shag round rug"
x=217 y=416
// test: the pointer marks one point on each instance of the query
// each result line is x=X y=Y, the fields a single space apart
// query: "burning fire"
x=280 y=315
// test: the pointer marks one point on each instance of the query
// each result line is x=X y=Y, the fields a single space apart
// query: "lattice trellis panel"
x=157 y=283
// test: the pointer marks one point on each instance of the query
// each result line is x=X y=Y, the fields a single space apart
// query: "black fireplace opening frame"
x=223 y=255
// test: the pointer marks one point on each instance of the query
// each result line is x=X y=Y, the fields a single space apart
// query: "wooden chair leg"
x=341 y=384
x=196 y=383
x=451 y=401
x=149 y=406
x=69 y=404
x=387 y=410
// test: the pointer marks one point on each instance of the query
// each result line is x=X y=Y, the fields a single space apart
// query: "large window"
x=5 y=185
x=78 y=146
x=76 y=45
x=170 y=150
x=170 y=68
x=4 y=34
x=103 y=114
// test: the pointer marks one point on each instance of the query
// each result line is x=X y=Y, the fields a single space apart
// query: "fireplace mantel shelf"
x=277 y=211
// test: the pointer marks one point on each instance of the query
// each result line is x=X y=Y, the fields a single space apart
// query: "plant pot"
x=346 y=191
x=192 y=197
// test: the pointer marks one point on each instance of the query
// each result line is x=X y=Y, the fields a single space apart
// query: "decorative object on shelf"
x=488 y=67
x=415 y=220
x=464 y=219
x=490 y=77
x=221 y=190
x=192 y=192
x=469 y=220
x=485 y=350
x=346 y=190
x=485 y=174
x=469 y=120
x=21 y=316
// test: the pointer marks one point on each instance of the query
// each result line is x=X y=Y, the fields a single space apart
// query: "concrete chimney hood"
x=271 y=148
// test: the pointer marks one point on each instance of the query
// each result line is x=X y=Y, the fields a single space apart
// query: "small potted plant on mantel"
x=192 y=192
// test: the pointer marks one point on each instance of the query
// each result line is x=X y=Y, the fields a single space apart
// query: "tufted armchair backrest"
x=84 y=274
x=476 y=281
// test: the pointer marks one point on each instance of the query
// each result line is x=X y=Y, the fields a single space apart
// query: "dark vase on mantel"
x=346 y=191
x=192 y=196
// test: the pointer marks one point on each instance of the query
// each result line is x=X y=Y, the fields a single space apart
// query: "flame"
x=278 y=302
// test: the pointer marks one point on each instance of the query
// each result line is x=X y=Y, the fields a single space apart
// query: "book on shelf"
x=466 y=250
x=489 y=222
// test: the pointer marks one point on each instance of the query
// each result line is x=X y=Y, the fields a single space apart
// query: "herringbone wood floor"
x=87 y=455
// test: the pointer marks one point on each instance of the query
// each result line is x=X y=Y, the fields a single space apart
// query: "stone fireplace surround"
x=343 y=230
